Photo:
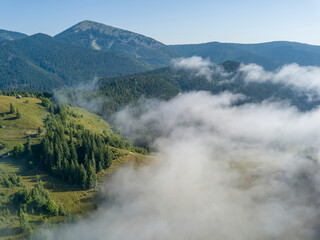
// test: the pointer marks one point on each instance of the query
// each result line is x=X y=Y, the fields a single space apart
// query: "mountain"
x=98 y=36
x=40 y=62
x=270 y=55
x=9 y=35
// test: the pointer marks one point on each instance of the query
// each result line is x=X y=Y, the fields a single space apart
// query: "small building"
x=19 y=97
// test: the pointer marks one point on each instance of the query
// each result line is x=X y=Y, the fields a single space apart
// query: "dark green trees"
x=36 y=199
x=18 y=150
x=24 y=222
x=73 y=153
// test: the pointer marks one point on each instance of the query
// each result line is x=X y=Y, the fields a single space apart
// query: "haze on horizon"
x=173 y=22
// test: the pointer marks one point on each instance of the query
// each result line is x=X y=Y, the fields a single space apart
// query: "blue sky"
x=173 y=21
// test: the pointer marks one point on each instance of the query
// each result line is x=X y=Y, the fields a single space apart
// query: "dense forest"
x=75 y=154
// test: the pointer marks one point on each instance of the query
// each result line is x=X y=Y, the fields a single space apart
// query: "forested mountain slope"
x=41 y=62
x=167 y=82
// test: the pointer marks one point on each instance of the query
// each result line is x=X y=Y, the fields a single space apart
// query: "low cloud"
x=302 y=78
x=200 y=67
x=82 y=95
x=221 y=171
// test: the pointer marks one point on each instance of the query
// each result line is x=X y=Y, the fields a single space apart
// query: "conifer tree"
x=83 y=176
x=18 y=115
x=11 y=109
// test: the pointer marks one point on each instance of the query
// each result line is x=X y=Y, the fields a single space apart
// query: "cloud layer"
x=200 y=67
x=303 y=78
x=82 y=95
x=221 y=172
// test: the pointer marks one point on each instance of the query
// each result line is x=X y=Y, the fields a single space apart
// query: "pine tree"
x=92 y=177
x=73 y=153
x=83 y=176
x=24 y=222
x=86 y=161
x=18 y=115
x=11 y=109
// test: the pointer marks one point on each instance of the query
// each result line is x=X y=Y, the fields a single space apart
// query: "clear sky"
x=173 y=21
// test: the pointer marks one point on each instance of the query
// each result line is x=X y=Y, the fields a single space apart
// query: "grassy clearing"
x=18 y=130
x=90 y=121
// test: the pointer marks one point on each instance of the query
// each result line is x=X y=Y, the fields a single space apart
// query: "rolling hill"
x=98 y=36
x=40 y=62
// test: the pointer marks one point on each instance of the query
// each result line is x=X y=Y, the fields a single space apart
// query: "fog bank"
x=220 y=172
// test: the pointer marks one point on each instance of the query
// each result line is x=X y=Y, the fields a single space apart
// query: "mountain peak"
x=103 y=37
x=10 y=35
x=91 y=25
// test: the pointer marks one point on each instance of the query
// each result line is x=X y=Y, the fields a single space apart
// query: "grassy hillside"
x=72 y=199
x=18 y=130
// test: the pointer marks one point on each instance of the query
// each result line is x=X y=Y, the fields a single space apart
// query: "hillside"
x=22 y=174
x=166 y=83
x=14 y=130
x=98 y=36
x=10 y=35
x=40 y=62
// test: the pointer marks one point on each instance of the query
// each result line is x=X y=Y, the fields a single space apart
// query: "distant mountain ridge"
x=10 y=35
x=286 y=52
x=90 y=49
x=99 y=36
x=270 y=55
